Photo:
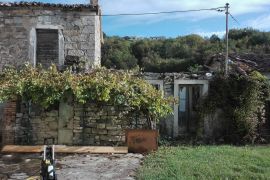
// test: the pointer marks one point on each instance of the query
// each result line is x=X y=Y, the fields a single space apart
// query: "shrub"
x=241 y=99
x=47 y=87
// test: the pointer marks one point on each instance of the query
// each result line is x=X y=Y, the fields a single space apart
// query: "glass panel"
x=182 y=99
x=196 y=95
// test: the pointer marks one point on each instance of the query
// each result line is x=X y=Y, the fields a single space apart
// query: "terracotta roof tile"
x=39 y=4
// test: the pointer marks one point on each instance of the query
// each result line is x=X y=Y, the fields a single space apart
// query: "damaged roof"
x=47 y=5
x=243 y=62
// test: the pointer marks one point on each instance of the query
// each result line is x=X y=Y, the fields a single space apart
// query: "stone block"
x=96 y=137
x=48 y=119
x=88 y=20
x=102 y=120
x=77 y=131
x=88 y=130
x=91 y=125
x=53 y=125
x=93 y=121
x=111 y=127
x=89 y=141
x=85 y=38
x=101 y=126
x=73 y=46
x=94 y=131
x=52 y=114
x=85 y=46
x=78 y=114
x=115 y=132
x=102 y=132
x=104 y=138
x=19 y=115
x=76 y=53
x=88 y=29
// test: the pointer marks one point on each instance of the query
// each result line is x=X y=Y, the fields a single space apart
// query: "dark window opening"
x=156 y=86
x=47 y=47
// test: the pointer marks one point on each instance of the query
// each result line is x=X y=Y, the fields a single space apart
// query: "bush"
x=241 y=99
x=47 y=87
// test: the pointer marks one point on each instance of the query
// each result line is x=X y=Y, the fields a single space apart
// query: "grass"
x=207 y=162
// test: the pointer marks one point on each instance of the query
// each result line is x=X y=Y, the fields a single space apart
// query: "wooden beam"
x=21 y=149
x=91 y=149
x=66 y=149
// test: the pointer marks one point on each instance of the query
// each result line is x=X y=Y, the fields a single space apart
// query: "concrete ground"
x=73 y=167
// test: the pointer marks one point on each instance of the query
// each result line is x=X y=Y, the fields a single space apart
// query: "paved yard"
x=72 y=167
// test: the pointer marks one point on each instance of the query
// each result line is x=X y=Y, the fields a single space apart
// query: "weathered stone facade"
x=79 y=32
x=90 y=124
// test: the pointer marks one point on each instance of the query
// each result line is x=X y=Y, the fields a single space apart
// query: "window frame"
x=33 y=43
x=160 y=83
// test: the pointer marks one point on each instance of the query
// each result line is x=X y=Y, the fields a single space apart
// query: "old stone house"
x=49 y=33
x=40 y=33
x=64 y=34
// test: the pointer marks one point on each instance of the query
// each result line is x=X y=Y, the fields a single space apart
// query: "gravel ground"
x=73 y=167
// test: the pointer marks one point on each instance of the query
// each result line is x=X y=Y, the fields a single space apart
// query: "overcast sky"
x=249 y=13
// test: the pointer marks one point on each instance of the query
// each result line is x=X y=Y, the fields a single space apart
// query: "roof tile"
x=39 y=4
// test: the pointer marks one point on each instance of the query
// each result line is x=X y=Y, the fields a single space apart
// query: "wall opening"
x=189 y=96
x=47 y=51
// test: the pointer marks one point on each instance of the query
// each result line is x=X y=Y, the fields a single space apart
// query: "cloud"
x=256 y=10
x=237 y=7
x=138 y=6
x=261 y=22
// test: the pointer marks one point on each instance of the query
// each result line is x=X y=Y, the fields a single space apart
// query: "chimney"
x=94 y=2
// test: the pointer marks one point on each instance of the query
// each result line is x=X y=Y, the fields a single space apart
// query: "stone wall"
x=8 y=121
x=79 y=34
x=2 y=106
x=91 y=124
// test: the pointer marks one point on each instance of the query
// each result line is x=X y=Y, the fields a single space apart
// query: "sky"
x=249 y=13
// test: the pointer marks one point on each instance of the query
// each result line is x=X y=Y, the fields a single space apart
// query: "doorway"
x=189 y=96
x=188 y=93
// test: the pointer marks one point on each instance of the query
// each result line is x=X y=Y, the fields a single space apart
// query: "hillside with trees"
x=184 y=53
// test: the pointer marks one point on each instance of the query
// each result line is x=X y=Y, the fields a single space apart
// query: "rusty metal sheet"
x=142 y=141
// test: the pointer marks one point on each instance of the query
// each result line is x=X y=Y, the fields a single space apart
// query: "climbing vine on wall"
x=241 y=99
x=47 y=87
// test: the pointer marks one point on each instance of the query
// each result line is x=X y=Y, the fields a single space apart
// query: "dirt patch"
x=72 y=167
